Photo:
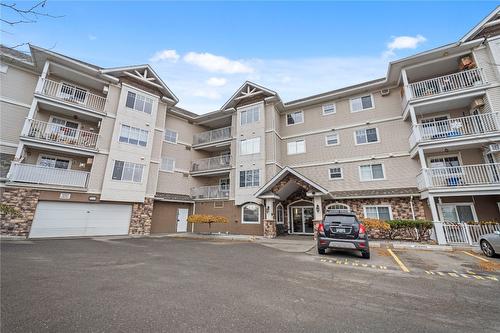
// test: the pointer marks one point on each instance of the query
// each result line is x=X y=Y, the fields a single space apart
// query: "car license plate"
x=340 y=230
x=342 y=245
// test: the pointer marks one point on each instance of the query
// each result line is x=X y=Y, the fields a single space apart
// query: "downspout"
x=411 y=206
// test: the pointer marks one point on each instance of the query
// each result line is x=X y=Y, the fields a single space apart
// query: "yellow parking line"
x=400 y=263
x=477 y=257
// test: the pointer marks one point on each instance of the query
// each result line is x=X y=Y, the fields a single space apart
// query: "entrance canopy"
x=287 y=182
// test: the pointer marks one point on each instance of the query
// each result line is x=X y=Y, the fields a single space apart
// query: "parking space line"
x=475 y=256
x=398 y=261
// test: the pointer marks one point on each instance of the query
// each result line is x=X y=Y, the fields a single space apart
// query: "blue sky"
x=206 y=50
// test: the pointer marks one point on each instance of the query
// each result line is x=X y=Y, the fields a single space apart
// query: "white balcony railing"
x=61 y=134
x=215 y=135
x=211 y=163
x=455 y=127
x=210 y=192
x=72 y=94
x=460 y=176
x=36 y=174
x=447 y=83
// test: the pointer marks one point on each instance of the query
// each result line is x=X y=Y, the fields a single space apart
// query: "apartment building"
x=96 y=151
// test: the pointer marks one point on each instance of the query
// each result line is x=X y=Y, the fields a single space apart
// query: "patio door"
x=459 y=213
x=302 y=220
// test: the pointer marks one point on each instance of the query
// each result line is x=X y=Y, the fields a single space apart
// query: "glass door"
x=458 y=213
x=297 y=225
x=302 y=220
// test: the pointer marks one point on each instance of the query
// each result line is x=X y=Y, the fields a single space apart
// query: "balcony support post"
x=438 y=225
x=421 y=157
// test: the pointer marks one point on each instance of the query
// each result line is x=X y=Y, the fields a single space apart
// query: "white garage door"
x=66 y=219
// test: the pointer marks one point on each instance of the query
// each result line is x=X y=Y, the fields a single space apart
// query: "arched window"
x=250 y=213
x=338 y=207
x=280 y=218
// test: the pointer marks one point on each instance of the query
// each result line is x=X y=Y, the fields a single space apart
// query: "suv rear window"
x=344 y=219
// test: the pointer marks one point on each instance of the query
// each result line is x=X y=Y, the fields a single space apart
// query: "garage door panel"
x=65 y=219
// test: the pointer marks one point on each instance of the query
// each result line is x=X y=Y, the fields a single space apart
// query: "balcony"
x=454 y=128
x=213 y=136
x=36 y=174
x=447 y=83
x=210 y=192
x=51 y=132
x=72 y=95
x=211 y=164
x=460 y=176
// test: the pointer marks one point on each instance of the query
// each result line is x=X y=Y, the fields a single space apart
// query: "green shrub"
x=417 y=227
x=9 y=211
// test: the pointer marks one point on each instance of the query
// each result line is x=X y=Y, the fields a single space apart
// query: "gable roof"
x=145 y=74
x=247 y=90
x=281 y=175
x=490 y=25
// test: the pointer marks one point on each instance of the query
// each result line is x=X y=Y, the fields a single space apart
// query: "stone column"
x=269 y=221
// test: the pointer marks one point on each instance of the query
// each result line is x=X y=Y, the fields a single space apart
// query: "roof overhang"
x=246 y=91
x=265 y=191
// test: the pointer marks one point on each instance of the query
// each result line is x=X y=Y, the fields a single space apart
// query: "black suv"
x=342 y=230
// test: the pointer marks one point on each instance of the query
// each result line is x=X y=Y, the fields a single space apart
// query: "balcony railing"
x=72 y=94
x=212 y=163
x=210 y=192
x=456 y=127
x=459 y=176
x=61 y=134
x=36 y=174
x=447 y=83
x=215 y=135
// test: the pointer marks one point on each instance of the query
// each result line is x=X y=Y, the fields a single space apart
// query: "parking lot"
x=165 y=284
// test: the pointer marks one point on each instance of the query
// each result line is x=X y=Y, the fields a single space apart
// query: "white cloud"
x=403 y=42
x=215 y=63
x=92 y=37
x=210 y=94
x=216 y=81
x=170 y=55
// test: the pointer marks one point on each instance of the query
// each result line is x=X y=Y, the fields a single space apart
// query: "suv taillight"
x=362 y=230
x=321 y=228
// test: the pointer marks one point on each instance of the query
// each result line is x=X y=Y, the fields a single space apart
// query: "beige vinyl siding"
x=152 y=179
x=112 y=100
x=351 y=180
x=484 y=61
x=466 y=156
x=97 y=175
x=385 y=107
x=493 y=97
x=12 y=119
x=18 y=85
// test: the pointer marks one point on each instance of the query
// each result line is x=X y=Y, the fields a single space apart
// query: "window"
x=224 y=184
x=366 y=135
x=378 y=212
x=437 y=127
x=371 y=172
x=170 y=136
x=133 y=136
x=361 y=103
x=54 y=162
x=250 y=213
x=139 y=102
x=332 y=139
x=72 y=93
x=127 y=171
x=338 y=207
x=63 y=127
x=167 y=164
x=3 y=68
x=296 y=147
x=249 y=116
x=329 y=109
x=444 y=161
x=295 y=118
x=249 y=178
x=335 y=173
x=250 y=146
x=462 y=212
x=280 y=214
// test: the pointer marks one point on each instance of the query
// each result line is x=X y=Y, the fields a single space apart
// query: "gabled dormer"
x=248 y=93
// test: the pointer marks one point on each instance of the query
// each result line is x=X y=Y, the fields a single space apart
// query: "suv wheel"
x=487 y=248
x=321 y=251
x=365 y=254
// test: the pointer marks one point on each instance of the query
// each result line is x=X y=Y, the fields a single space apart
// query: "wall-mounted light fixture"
x=317 y=208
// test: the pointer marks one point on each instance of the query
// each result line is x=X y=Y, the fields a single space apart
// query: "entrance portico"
x=294 y=203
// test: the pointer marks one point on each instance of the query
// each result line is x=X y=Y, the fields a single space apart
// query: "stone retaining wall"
x=23 y=201
x=142 y=215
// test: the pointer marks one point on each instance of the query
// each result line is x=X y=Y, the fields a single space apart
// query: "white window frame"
x=334 y=105
x=4 y=68
x=146 y=97
x=133 y=172
x=254 y=109
x=282 y=221
x=341 y=173
x=470 y=204
x=458 y=156
x=252 y=183
x=366 y=143
x=345 y=207
x=243 y=210
x=289 y=113
x=173 y=164
x=39 y=159
x=254 y=144
x=140 y=131
x=176 y=136
x=371 y=180
x=359 y=97
x=62 y=95
x=378 y=206
x=296 y=150
x=332 y=144
x=51 y=125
